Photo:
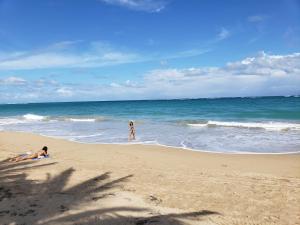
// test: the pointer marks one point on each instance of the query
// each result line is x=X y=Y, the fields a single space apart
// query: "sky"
x=93 y=50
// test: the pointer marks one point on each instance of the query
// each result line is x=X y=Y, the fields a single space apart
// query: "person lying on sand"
x=38 y=154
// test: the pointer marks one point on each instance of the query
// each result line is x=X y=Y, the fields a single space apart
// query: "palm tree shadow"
x=25 y=201
x=112 y=217
x=22 y=199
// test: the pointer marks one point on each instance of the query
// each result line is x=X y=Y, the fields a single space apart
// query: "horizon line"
x=162 y=99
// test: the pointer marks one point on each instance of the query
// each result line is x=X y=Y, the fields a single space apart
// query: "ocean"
x=239 y=125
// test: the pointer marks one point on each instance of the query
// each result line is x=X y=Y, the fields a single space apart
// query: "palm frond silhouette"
x=48 y=202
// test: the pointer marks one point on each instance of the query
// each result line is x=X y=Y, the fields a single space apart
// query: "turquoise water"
x=265 y=124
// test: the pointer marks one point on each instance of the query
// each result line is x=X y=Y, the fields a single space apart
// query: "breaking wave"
x=274 y=126
x=34 y=117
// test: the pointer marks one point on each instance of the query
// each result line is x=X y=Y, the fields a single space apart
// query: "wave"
x=10 y=121
x=274 y=126
x=34 y=117
x=87 y=136
x=27 y=118
x=198 y=124
x=81 y=120
x=293 y=96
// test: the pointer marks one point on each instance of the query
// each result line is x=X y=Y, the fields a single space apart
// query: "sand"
x=137 y=184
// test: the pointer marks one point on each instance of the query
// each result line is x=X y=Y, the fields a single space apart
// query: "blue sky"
x=70 y=50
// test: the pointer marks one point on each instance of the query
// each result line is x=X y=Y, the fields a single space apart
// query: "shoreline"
x=166 y=183
x=162 y=145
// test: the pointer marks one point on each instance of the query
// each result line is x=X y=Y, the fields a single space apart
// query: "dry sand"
x=135 y=184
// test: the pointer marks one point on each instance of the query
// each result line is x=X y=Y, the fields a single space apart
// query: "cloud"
x=186 y=54
x=260 y=75
x=139 y=5
x=254 y=76
x=77 y=54
x=12 y=80
x=17 y=89
x=223 y=34
x=65 y=91
x=67 y=55
x=64 y=44
x=259 y=23
x=256 y=18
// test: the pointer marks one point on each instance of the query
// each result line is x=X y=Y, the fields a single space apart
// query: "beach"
x=149 y=112
x=144 y=184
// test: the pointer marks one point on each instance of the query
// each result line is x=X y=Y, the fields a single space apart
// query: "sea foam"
x=82 y=120
x=34 y=117
x=9 y=121
x=275 y=126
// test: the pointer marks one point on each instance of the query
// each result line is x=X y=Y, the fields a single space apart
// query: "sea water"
x=257 y=125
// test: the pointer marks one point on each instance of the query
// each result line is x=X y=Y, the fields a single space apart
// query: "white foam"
x=82 y=120
x=33 y=117
x=182 y=144
x=197 y=124
x=9 y=121
x=87 y=136
x=275 y=126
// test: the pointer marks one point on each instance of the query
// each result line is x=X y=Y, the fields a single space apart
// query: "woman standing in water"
x=131 y=131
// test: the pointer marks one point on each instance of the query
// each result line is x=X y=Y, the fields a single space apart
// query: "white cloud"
x=69 y=54
x=260 y=75
x=259 y=22
x=256 y=18
x=186 y=53
x=163 y=62
x=223 y=34
x=64 y=44
x=65 y=91
x=12 y=80
x=139 y=5
x=44 y=82
x=117 y=57
x=115 y=85
x=58 y=56
x=267 y=65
